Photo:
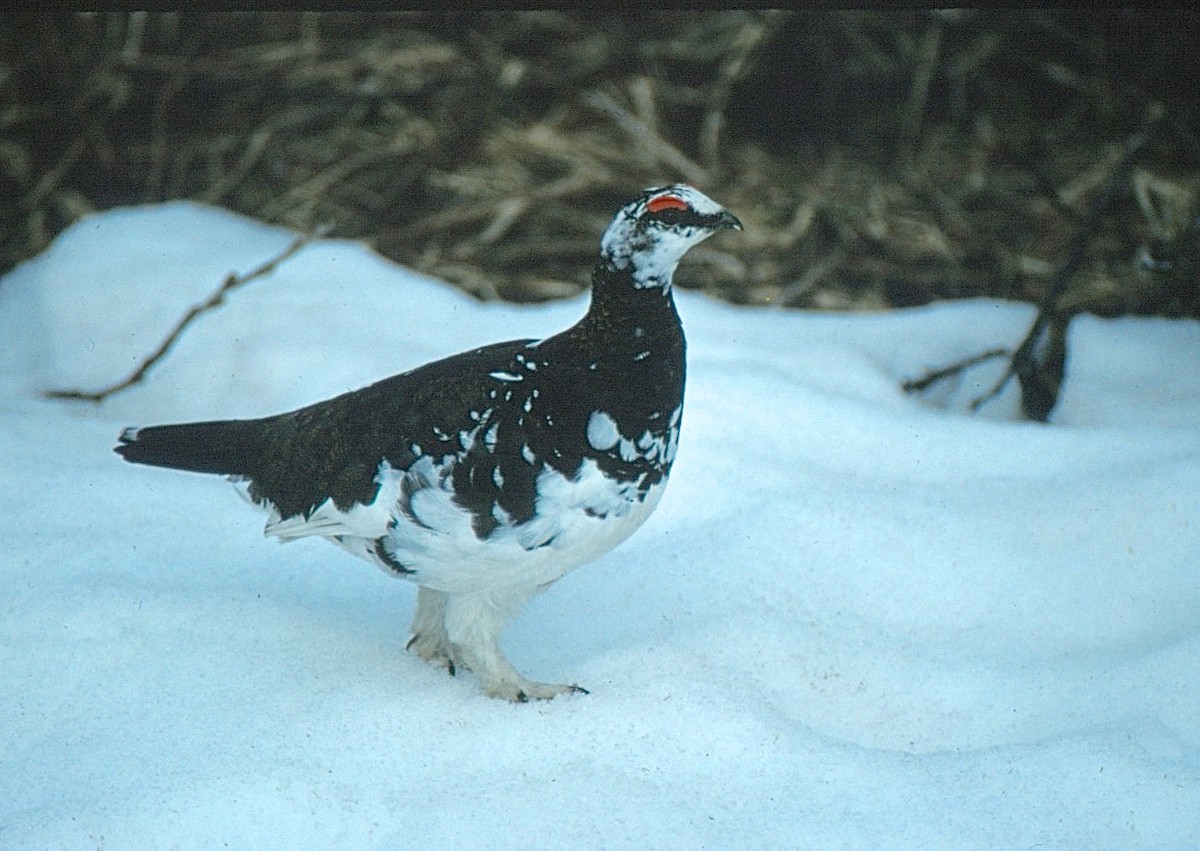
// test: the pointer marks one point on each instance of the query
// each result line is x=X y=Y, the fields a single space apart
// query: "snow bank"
x=859 y=619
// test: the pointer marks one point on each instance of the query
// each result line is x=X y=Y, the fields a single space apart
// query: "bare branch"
x=933 y=376
x=666 y=153
x=928 y=54
x=749 y=39
x=1039 y=362
x=231 y=282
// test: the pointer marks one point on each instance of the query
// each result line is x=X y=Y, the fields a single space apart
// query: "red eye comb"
x=665 y=202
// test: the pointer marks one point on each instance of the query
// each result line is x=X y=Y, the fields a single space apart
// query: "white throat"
x=651 y=256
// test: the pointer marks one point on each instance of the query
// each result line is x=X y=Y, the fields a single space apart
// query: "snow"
x=858 y=619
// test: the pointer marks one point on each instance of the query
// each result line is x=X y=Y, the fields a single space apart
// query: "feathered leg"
x=429 y=639
x=473 y=624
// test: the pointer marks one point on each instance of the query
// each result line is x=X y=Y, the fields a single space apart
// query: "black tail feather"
x=227 y=447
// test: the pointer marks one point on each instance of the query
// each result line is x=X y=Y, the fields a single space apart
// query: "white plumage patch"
x=603 y=434
x=576 y=520
x=602 y=431
x=368 y=521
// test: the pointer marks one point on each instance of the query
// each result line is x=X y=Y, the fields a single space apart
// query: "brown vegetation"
x=876 y=158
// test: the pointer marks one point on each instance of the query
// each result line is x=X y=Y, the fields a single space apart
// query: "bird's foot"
x=434 y=649
x=524 y=691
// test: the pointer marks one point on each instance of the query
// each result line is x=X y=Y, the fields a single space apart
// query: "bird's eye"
x=670 y=216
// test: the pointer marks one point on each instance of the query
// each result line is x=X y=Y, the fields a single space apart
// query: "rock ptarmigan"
x=486 y=476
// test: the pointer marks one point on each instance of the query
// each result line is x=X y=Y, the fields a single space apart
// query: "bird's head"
x=650 y=235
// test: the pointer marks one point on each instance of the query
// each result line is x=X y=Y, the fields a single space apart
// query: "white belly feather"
x=576 y=520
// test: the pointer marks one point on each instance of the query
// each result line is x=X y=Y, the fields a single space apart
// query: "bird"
x=485 y=476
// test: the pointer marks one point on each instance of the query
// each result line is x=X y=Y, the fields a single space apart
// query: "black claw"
x=580 y=690
x=522 y=697
x=450 y=667
x=411 y=642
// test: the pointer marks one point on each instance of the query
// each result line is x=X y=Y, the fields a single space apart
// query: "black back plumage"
x=625 y=357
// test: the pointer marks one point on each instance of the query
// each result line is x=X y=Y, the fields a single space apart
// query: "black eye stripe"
x=673 y=217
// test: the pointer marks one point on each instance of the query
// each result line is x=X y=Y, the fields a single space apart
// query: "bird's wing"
x=360 y=520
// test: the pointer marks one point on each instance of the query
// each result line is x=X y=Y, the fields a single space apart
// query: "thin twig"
x=928 y=53
x=231 y=282
x=638 y=129
x=813 y=275
x=160 y=137
x=746 y=43
x=933 y=376
x=50 y=181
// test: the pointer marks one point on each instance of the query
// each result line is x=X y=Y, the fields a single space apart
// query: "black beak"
x=728 y=220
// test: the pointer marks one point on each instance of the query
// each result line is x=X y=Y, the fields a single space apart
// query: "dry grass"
x=876 y=159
